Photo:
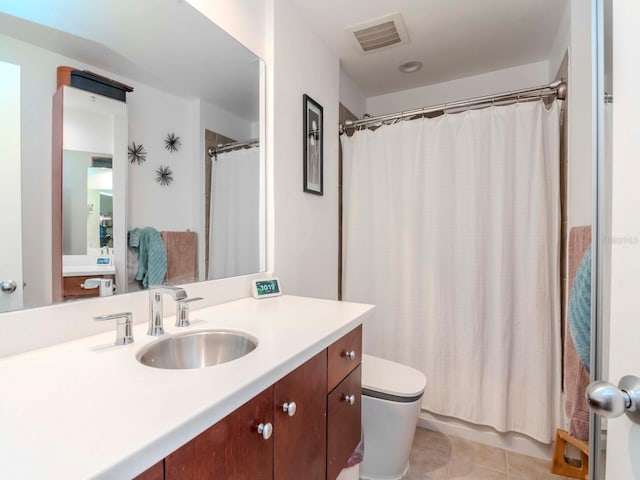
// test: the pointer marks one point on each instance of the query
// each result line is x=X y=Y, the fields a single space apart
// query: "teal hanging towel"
x=152 y=256
x=580 y=310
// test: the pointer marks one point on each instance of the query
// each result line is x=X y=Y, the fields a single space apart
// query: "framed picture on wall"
x=312 y=145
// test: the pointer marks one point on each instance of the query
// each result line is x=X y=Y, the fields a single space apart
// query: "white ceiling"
x=166 y=44
x=453 y=38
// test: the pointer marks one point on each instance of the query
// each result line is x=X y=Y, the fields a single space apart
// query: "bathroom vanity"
x=87 y=408
x=306 y=425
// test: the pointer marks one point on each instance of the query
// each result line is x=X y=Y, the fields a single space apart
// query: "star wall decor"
x=137 y=153
x=164 y=176
x=172 y=142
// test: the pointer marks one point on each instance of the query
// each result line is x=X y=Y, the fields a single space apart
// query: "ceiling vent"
x=385 y=32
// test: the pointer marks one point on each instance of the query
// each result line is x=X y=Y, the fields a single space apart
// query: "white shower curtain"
x=234 y=247
x=452 y=230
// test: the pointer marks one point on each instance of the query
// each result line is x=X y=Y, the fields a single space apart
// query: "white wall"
x=623 y=439
x=580 y=115
x=217 y=120
x=152 y=115
x=306 y=225
x=351 y=96
x=248 y=21
x=561 y=42
x=514 y=78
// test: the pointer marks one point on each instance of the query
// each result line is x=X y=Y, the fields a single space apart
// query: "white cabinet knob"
x=289 y=408
x=265 y=429
x=350 y=399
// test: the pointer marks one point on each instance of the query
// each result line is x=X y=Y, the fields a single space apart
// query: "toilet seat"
x=391 y=381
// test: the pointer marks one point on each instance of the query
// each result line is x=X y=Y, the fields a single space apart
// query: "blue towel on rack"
x=580 y=310
x=152 y=256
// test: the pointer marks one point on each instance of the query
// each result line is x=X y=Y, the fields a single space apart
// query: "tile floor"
x=438 y=456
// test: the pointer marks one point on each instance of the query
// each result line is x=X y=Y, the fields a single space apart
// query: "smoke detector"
x=381 y=33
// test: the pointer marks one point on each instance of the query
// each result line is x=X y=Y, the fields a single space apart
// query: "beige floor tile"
x=432 y=440
x=468 y=453
x=426 y=462
x=522 y=467
x=460 y=470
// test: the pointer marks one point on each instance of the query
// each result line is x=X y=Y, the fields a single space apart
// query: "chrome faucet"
x=155 y=305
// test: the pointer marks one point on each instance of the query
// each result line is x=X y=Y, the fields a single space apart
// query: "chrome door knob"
x=289 y=408
x=265 y=429
x=8 y=286
x=350 y=399
x=607 y=400
x=351 y=355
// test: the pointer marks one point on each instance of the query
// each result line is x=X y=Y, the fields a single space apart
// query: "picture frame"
x=313 y=146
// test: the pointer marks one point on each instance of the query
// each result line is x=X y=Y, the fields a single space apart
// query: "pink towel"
x=576 y=377
x=181 y=256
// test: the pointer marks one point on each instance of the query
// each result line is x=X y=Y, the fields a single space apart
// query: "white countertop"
x=86 y=270
x=88 y=409
x=84 y=265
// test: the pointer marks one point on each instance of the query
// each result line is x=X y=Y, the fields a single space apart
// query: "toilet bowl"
x=391 y=399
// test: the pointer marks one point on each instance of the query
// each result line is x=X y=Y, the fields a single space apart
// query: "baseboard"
x=514 y=442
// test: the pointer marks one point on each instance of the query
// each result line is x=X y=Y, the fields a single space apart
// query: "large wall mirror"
x=178 y=163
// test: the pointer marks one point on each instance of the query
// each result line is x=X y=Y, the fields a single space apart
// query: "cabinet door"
x=343 y=422
x=300 y=439
x=153 y=473
x=343 y=356
x=232 y=449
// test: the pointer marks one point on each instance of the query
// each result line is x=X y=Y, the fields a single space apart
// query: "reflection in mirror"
x=87 y=193
x=234 y=225
x=183 y=86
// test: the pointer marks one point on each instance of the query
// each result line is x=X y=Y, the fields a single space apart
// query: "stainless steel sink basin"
x=198 y=349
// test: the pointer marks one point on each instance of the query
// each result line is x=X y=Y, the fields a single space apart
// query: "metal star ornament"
x=164 y=176
x=172 y=142
x=137 y=153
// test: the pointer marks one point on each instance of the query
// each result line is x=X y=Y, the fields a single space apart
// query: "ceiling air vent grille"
x=380 y=33
x=378 y=36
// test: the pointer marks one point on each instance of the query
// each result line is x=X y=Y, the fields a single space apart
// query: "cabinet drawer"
x=343 y=422
x=72 y=289
x=340 y=362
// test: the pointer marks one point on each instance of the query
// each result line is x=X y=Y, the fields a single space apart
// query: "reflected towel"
x=152 y=257
x=182 y=250
x=580 y=310
x=576 y=376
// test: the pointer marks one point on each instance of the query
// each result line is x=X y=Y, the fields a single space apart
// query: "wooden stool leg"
x=559 y=464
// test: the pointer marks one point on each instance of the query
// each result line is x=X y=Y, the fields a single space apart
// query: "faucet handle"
x=105 y=284
x=178 y=293
x=182 y=311
x=124 y=334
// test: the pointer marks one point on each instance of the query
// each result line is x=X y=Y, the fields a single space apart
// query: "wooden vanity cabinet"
x=301 y=439
x=344 y=355
x=154 y=473
x=72 y=287
x=312 y=444
x=230 y=449
x=344 y=408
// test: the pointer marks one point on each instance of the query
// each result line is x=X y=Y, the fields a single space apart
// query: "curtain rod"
x=227 y=147
x=557 y=89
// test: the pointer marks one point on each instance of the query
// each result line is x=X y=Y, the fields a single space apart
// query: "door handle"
x=607 y=400
x=8 y=286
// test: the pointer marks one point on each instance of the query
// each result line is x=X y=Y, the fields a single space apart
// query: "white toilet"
x=391 y=399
